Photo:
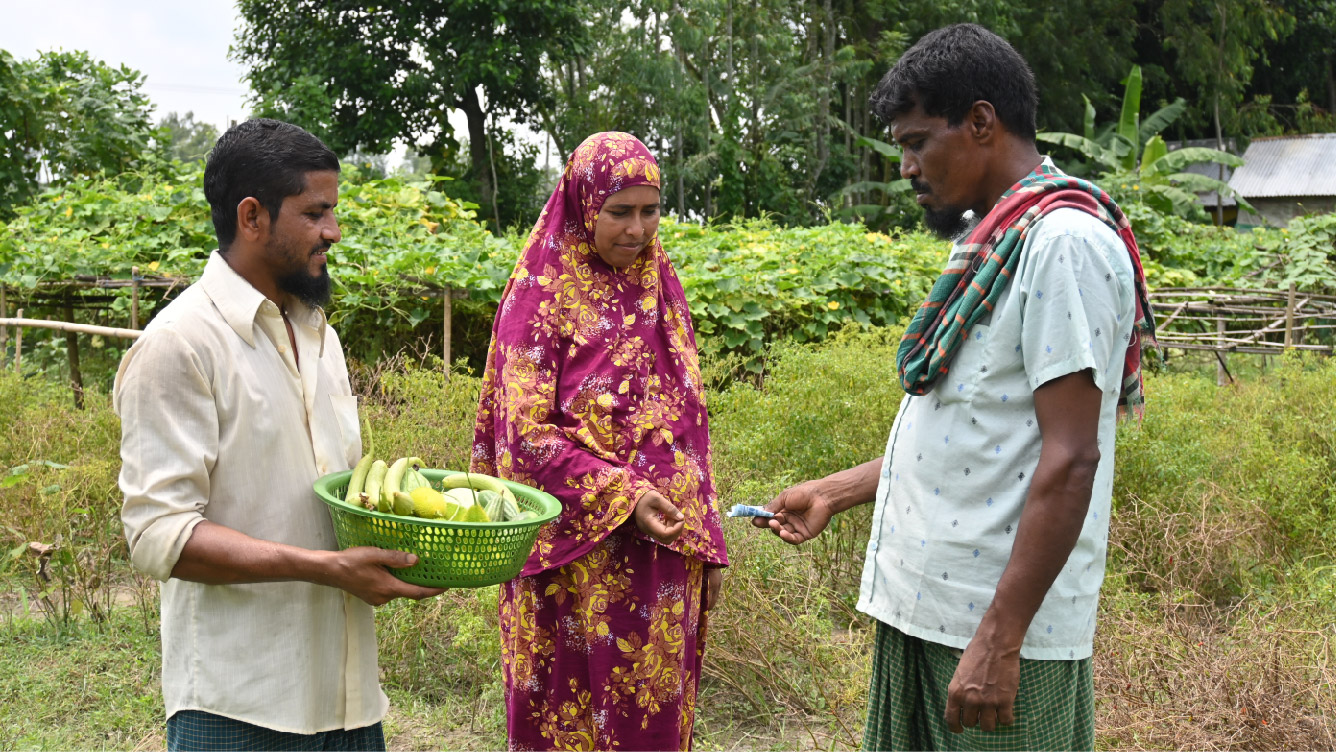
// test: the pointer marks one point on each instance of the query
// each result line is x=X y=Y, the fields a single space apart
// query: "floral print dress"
x=593 y=394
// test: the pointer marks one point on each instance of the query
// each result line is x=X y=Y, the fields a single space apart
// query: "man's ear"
x=252 y=220
x=983 y=121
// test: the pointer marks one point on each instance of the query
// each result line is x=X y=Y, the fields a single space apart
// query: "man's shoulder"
x=190 y=321
x=1071 y=221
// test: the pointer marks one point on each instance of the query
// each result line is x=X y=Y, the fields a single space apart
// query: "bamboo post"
x=134 y=297
x=72 y=350
x=18 y=344
x=4 y=330
x=445 y=331
x=1290 y=314
x=1221 y=373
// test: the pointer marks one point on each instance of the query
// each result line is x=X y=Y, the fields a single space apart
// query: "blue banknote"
x=747 y=510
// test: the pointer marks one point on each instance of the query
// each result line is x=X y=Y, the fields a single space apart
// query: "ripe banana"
x=354 y=494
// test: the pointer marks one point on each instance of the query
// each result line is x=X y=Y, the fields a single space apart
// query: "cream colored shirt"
x=218 y=422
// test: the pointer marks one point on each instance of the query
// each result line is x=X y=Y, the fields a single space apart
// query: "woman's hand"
x=658 y=518
x=714 y=578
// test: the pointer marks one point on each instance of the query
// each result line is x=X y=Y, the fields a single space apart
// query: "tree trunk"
x=1216 y=109
x=479 y=165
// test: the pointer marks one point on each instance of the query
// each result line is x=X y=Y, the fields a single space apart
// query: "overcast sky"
x=179 y=45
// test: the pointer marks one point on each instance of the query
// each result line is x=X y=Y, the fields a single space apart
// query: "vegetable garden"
x=1216 y=617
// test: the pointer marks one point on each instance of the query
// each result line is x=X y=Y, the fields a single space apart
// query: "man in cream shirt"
x=232 y=403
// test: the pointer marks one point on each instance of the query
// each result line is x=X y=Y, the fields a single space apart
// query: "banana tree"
x=1137 y=164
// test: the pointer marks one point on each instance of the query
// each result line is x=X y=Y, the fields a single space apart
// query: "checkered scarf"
x=974 y=280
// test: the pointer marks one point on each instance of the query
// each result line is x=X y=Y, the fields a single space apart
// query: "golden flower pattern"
x=592 y=393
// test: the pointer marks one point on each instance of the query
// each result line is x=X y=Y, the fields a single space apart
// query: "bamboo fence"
x=1233 y=320
x=72 y=294
x=1217 y=319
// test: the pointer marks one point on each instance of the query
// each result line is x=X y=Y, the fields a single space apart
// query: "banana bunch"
x=401 y=489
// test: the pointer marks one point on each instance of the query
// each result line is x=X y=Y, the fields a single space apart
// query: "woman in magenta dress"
x=593 y=393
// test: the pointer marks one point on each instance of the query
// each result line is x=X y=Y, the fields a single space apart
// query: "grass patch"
x=1216 y=618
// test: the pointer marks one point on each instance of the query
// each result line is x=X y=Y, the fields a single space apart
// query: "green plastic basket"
x=450 y=554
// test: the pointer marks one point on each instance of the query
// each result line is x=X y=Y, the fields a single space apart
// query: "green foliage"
x=365 y=77
x=1221 y=561
x=185 y=140
x=405 y=239
x=1137 y=167
x=1179 y=253
x=1243 y=476
x=752 y=283
x=63 y=115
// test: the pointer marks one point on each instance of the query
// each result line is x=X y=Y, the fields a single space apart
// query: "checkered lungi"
x=907 y=699
x=191 y=730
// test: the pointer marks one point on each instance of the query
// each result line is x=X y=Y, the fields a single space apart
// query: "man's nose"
x=331 y=233
x=909 y=168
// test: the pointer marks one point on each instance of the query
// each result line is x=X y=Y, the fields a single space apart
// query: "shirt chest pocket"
x=344 y=409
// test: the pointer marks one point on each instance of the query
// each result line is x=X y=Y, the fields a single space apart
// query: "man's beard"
x=311 y=290
x=948 y=222
x=314 y=291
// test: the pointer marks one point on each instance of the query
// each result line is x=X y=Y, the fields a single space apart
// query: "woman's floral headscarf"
x=593 y=389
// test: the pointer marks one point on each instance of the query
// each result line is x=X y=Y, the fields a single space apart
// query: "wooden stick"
x=1221 y=371
x=1288 y=319
x=72 y=350
x=4 y=330
x=105 y=331
x=18 y=341
x=445 y=331
x=134 y=297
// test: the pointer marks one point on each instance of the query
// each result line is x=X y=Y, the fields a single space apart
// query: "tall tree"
x=66 y=114
x=185 y=139
x=365 y=76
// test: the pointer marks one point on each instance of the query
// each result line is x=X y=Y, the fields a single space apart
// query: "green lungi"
x=907 y=699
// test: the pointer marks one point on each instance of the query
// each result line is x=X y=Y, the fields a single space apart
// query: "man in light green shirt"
x=992 y=499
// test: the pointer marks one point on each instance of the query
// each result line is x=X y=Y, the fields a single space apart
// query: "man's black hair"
x=950 y=69
x=263 y=158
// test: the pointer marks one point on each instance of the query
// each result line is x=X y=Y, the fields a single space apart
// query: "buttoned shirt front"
x=219 y=422
x=959 y=458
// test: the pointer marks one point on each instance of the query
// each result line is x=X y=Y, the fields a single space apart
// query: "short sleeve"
x=1075 y=292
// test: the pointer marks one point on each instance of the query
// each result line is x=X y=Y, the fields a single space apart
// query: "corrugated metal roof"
x=1288 y=166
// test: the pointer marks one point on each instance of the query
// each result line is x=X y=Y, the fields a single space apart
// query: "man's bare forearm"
x=218 y=555
x=850 y=488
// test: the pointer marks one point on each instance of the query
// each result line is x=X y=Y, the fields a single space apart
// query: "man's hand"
x=714 y=578
x=362 y=571
x=658 y=518
x=984 y=687
x=801 y=513
x=218 y=555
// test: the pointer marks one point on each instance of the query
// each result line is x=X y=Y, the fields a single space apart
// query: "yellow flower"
x=1123 y=185
x=153 y=267
x=1135 y=186
x=791 y=270
x=69 y=210
x=429 y=270
x=833 y=305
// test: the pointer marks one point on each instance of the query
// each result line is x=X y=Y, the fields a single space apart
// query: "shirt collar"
x=240 y=302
